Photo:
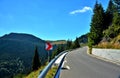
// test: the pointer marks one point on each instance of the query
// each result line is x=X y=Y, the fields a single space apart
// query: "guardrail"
x=48 y=67
x=59 y=68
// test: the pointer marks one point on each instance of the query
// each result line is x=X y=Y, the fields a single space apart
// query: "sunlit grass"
x=36 y=73
x=108 y=45
x=113 y=44
x=51 y=72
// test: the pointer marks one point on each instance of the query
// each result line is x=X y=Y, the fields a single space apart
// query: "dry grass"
x=108 y=45
x=113 y=44
x=59 y=42
x=116 y=40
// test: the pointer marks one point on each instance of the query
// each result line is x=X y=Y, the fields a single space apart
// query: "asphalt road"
x=84 y=66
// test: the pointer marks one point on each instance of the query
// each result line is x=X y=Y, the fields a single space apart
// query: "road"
x=84 y=66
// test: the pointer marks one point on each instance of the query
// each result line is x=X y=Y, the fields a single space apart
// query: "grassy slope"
x=52 y=71
x=114 y=43
x=35 y=74
x=116 y=39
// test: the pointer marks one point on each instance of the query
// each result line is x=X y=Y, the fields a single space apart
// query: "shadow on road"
x=64 y=68
x=119 y=77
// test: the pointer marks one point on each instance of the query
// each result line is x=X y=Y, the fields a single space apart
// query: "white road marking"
x=65 y=61
x=68 y=67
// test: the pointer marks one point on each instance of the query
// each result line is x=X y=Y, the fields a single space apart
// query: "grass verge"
x=35 y=74
x=50 y=73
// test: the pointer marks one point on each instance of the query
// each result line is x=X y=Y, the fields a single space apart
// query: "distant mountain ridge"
x=83 y=39
x=21 y=36
x=16 y=53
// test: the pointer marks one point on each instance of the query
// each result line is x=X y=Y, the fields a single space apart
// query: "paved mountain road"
x=84 y=66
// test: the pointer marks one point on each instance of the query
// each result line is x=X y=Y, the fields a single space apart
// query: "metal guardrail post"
x=47 y=68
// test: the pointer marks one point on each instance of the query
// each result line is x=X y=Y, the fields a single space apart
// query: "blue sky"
x=47 y=19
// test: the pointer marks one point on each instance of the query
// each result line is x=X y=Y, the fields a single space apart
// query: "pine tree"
x=97 y=25
x=117 y=2
x=36 y=62
x=116 y=23
x=114 y=29
x=109 y=14
x=76 y=43
x=111 y=7
x=116 y=19
x=117 y=5
x=69 y=44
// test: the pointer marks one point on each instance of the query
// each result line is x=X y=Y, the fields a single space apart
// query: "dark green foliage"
x=73 y=45
x=117 y=2
x=69 y=44
x=83 y=39
x=106 y=24
x=97 y=25
x=109 y=14
x=36 y=62
x=59 y=49
x=117 y=5
x=19 y=76
x=113 y=18
x=111 y=7
x=114 y=29
x=76 y=43
x=91 y=40
x=16 y=52
x=116 y=19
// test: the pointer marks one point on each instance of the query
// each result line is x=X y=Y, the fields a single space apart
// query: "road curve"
x=80 y=65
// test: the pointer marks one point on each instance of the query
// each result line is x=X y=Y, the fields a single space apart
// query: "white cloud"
x=85 y=9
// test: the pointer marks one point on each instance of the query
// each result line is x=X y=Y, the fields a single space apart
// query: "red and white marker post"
x=48 y=48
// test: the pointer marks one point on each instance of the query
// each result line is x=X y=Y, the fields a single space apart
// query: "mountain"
x=83 y=39
x=17 y=51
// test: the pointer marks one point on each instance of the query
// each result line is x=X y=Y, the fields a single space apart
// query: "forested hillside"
x=16 y=53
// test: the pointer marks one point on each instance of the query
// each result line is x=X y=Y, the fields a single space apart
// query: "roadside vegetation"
x=36 y=65
x=36 y=73
x=105 y=26
x=68 y=46
x=52 y=72
x=114 y=44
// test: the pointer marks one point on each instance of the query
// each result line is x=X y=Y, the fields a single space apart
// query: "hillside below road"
x=78 y=64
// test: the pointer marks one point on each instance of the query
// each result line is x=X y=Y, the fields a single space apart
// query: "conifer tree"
x=76 y=43
x=111 y=7
x=36 y=62
x=117 y=5
x=109 y=14
x=97 y=25
x=69 y=44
